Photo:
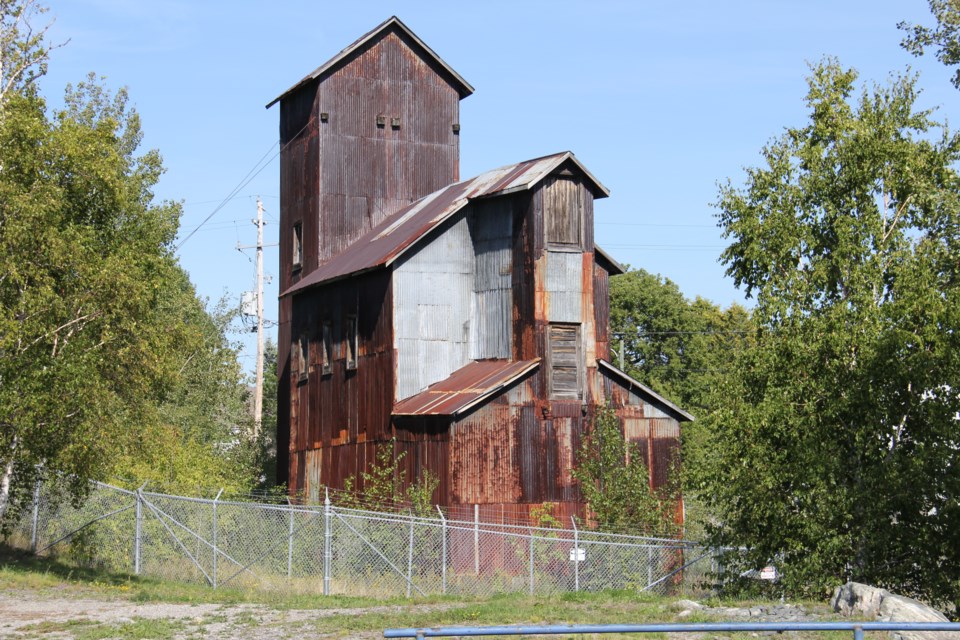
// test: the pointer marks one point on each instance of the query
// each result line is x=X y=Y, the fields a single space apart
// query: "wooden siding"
x=563 y=211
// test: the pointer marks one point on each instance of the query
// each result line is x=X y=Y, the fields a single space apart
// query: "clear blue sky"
x=660 y=100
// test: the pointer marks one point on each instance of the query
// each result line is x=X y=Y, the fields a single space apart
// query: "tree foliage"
x=109 y=363
x=945 y=37
x=676 y=346
x=835 y=448
x=615 y=482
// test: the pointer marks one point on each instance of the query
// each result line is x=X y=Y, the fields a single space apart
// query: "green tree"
x=834 y=448
x=615 y=482
x=945 y=37
x=680 y=348
x=108 y=361
x=24 y=50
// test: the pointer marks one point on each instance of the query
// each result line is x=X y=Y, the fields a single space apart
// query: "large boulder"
x=855 y=599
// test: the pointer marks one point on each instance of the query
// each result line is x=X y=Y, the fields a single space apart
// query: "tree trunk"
x=5 y=481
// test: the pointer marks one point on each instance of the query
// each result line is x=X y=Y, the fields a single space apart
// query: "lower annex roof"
x=465 y=388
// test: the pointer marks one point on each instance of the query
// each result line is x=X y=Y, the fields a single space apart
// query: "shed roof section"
x=389 y=240
x=393 y=23
x=645 y=391
x=465 y=388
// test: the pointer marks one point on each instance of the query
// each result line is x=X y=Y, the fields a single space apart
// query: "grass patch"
x=582 y=608
x=22 y=570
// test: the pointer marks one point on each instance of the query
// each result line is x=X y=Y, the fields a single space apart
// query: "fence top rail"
x=485 y=526
x=585 y=536
x=704 y=627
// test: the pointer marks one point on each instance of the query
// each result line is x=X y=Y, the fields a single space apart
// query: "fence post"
x=36 y=517
x=476 y=539
x=443 y=552
x=327 y=534
x=531 y=561
x=410 y=558
x=649 y=565
x=138 y=529
x=576 y=555
x=219 y=493
x=290 y=541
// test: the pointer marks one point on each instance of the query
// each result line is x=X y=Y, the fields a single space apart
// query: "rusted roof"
x=644 y=390
x=389 y=240
x=606 y=261
x=462 y=86
x=465 y=388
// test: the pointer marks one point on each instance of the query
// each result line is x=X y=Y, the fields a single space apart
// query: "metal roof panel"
x=389 y=240
x=465 y=388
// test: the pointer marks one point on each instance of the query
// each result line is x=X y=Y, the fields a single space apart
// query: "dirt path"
x=28 y=614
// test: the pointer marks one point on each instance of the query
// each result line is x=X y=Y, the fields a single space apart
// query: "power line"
x=253 y=173
x=658 y=224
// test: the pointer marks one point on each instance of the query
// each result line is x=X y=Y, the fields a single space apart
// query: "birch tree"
x=835 y=451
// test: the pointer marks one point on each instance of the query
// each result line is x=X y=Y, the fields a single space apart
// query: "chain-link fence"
x=334 y=550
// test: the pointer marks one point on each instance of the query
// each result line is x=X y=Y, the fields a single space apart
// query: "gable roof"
x=465 y=388
x=646 y=391
x=393 y=23
x=396 y=234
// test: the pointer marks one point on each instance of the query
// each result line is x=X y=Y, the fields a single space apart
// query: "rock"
x=854 y=598
x=688 y=604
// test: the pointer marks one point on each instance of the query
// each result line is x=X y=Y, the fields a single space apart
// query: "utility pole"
x=258 y=387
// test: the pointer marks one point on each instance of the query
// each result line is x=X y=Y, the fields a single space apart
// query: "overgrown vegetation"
x=615 y=482
x=387 y=484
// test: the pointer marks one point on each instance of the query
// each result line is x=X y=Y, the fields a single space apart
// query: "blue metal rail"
x=856 y=627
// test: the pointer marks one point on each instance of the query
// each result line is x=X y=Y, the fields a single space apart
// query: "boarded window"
x=297 y=248
x=326 y=348
x=564 y=353
x=351 y=342
x=563 y=212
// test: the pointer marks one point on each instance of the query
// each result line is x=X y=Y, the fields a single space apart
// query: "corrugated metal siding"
x=369 y=171
x=345 y=408
x=432 y=291
x=564 y=286
x=654 y=432
x=491 y=228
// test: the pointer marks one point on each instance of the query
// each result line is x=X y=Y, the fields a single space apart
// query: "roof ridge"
x=463 y=87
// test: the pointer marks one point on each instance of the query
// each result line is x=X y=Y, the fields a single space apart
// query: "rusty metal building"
x=468 y=320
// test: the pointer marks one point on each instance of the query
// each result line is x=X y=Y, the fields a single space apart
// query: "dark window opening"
x=351 y=342
x=297 y=245
x=564 y=355
x=303 y=361
x=326 y=348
